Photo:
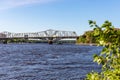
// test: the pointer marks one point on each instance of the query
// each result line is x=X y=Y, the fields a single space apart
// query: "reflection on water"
x=46 y=62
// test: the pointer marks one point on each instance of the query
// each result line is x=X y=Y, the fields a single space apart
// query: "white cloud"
x=6 y=4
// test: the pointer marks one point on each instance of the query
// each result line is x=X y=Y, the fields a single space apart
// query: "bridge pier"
x=50 y=41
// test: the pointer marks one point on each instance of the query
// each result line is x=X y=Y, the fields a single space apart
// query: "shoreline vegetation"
x=90 y=38
x=20 y=41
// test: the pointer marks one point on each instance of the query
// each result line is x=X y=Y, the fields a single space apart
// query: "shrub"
x=109 y=58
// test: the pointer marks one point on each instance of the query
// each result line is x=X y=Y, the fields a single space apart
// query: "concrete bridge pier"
x=50 y=40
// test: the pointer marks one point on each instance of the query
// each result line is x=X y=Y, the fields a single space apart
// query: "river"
x=46 y=62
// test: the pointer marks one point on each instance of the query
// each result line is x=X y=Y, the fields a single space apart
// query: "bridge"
x=49 y=35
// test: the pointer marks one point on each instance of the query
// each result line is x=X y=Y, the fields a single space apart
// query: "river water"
x=46 y=62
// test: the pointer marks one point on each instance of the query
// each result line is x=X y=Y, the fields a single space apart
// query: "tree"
x=87 y=37
x=109 y=58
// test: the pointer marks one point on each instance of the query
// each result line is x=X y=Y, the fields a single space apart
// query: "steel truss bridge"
x=50 y=34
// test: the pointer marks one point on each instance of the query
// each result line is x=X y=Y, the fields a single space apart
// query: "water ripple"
x=46 y=62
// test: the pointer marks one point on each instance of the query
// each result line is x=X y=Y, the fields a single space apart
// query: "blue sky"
x=67 y=15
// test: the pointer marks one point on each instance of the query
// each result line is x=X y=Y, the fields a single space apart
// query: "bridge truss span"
x=47 y=33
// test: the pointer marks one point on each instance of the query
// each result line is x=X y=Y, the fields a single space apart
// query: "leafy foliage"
x=109 y=38
x=87 y=37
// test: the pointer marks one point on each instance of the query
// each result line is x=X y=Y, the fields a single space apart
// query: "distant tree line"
x=90 y=36
x=87 y=37
x=23 y=41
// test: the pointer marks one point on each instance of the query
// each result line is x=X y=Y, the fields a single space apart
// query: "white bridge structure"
x=53 y=35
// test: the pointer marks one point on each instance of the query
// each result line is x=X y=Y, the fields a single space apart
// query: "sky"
x=63 y=15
